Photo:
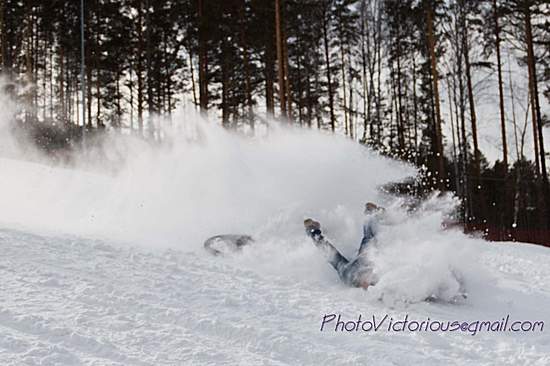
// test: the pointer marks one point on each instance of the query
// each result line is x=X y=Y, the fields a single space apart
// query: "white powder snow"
x=108 y=269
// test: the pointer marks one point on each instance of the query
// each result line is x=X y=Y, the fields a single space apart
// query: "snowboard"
x=226 y=243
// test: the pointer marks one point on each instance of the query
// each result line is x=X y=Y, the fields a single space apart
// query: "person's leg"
x=369 y=232
x=355 y=274
x=334 y=257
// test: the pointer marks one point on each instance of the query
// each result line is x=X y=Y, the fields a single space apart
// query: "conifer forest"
x=458 y=88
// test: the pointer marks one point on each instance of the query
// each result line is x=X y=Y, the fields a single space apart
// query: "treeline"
x=401 y=76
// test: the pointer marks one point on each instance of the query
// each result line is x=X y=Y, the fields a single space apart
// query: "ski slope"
x=72 y=301
x=102 y=264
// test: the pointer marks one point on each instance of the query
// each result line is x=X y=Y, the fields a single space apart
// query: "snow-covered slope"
x=69 y=301
x=108 y=269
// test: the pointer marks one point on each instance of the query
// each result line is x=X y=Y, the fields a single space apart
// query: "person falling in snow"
x=358 y=272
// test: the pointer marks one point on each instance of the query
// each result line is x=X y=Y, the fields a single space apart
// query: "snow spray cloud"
x=205 y=181
x=420 y=260
x=414 y=258
x=208 y=180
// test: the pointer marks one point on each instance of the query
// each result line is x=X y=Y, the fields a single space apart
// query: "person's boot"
x=371 y=207
x=313 y=229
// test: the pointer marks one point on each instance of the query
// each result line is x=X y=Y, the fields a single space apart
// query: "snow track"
x=72 y=301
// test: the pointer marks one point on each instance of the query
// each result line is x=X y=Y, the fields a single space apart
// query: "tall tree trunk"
x=378 y=47
x=435 y=82
x=400 y=123
x=139 y=70
x=44 y=53
x=471 y=103
x=2 y=37
x=399 y=107
x=50 y=79
x=62 y=84
x=280 y=56
x=534 y=89
x=343 y=72
x=365 y=85
x=455 y=156
x=97 y=62
x=164 y=75
x=473 y=119
x=460 y=158
x=193 y=84
x=309 y=101
x=500 y=87
x=460 y=108
x=329 y=78
x=225 y=87
x=299 y=91
x=74 y=92
x=535 y=96
x=394 y=112
x=351 y=112
x=415 y=111
x=118 y=122
x=131 y=90
x=534 y=123
x=7 y=49
x=29 y=59
x=90 y=53
x=246 y=66
x=269 y=56
x=286 y=77
x=318 y=116
x=35 y=57
x=519 y=154
x=203 y=58
x=506 y=206
x=68 y=96
x=344 y=92
x=269 y=78
x=150 y=77
x=99 y=122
